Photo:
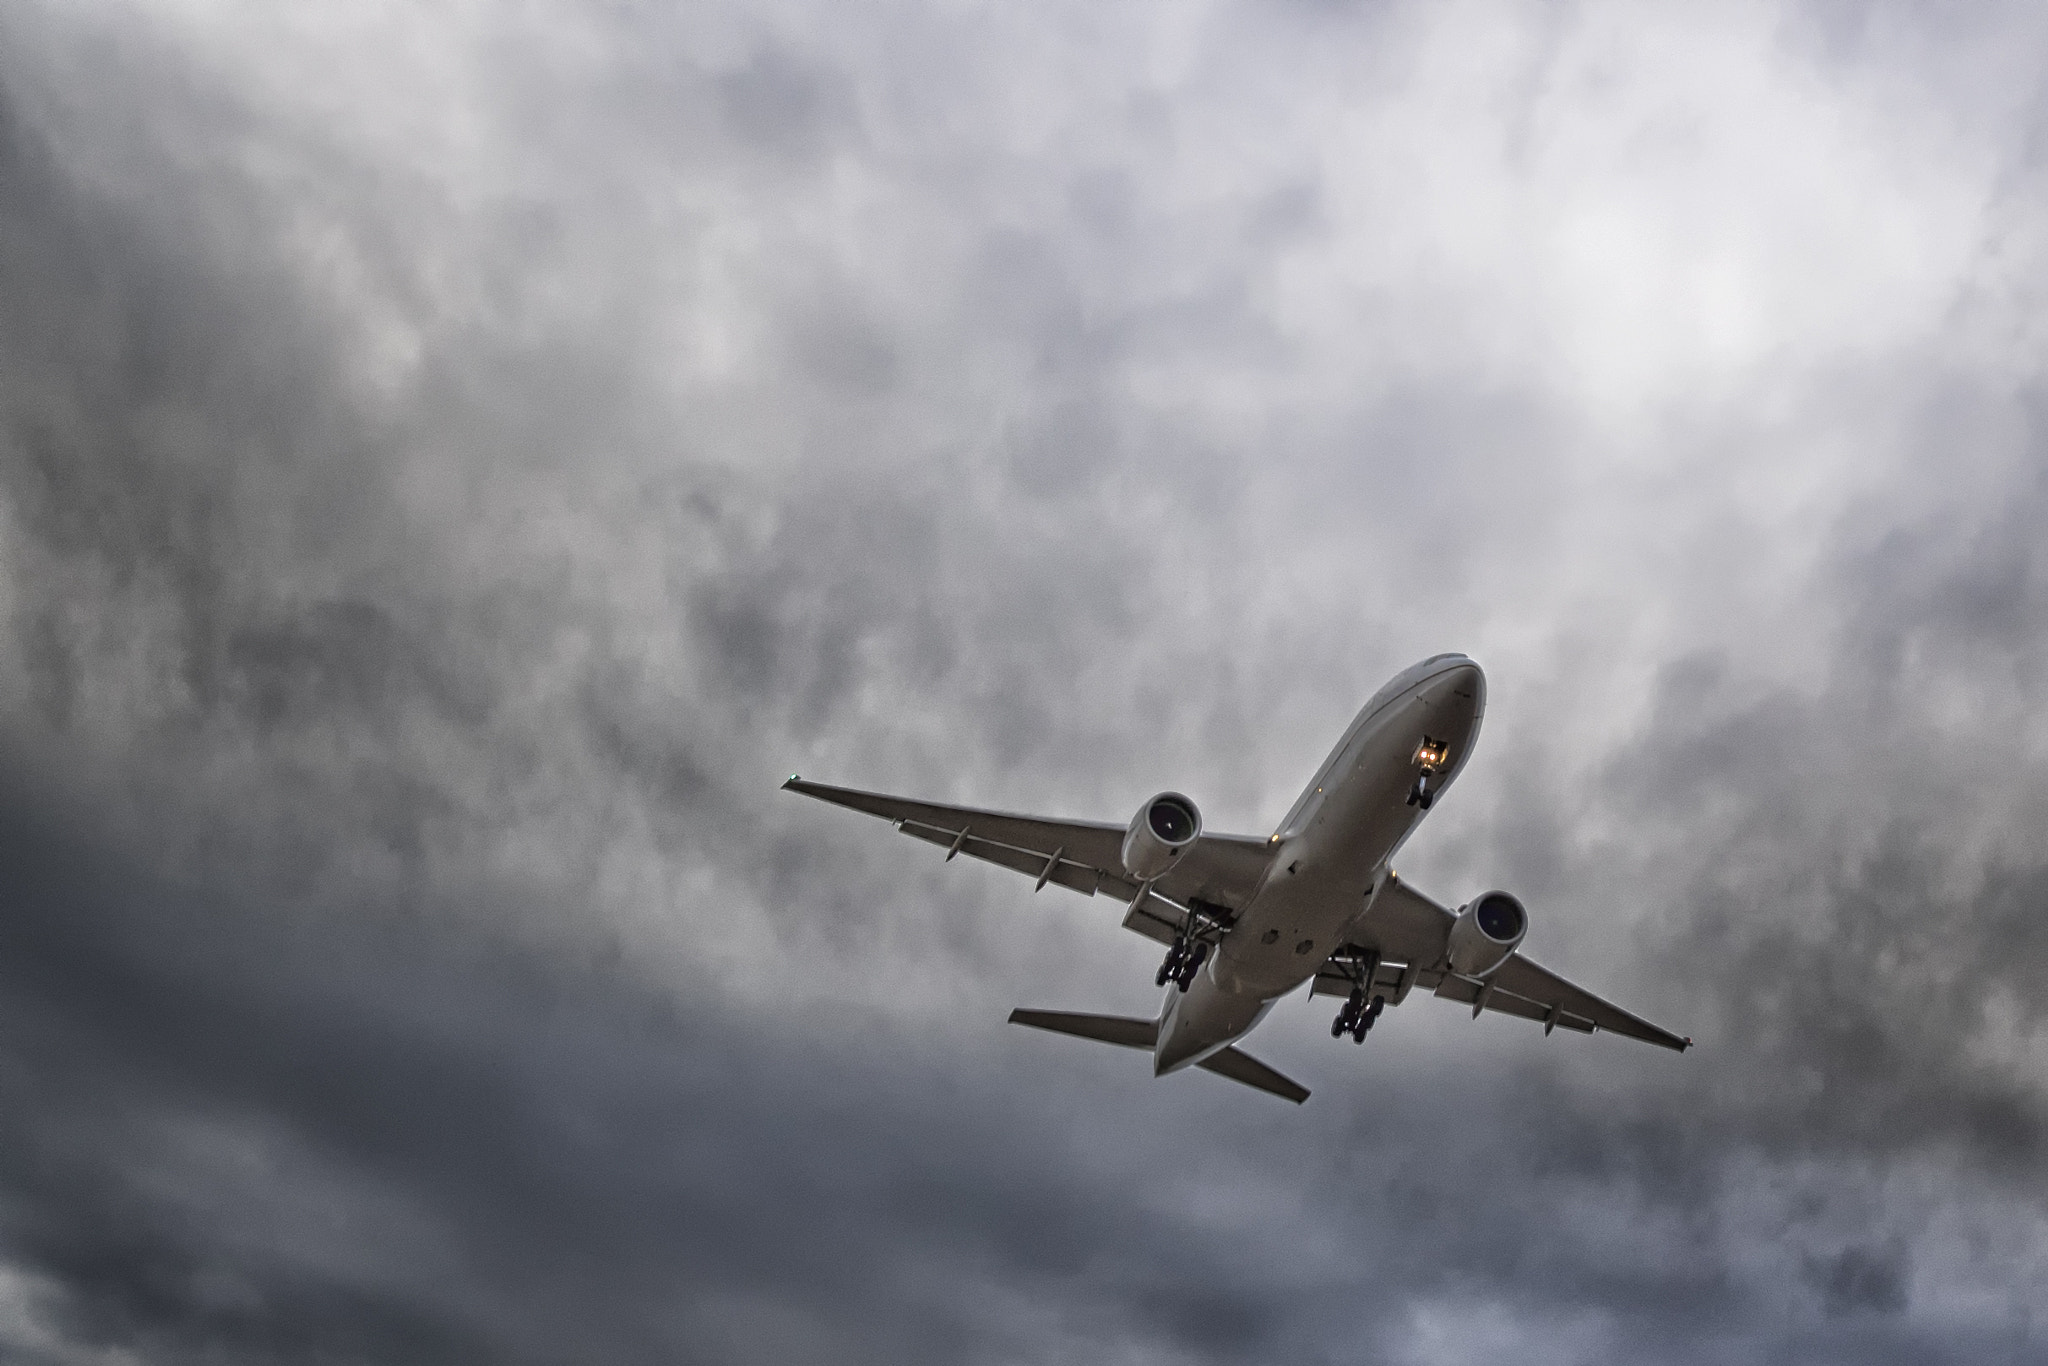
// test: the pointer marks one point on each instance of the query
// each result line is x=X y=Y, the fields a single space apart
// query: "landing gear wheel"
x=1348 y=1017
x=1176 y=959
x=1367 y=1018
x=1192 y=965
x=1357 y=1018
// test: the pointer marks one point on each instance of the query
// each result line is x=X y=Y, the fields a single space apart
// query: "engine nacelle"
x=1486 y=931
x=1165 y=827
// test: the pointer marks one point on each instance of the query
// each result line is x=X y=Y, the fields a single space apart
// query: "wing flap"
x=1465 y=991
x=1152 y=919
x=1069 y=873
x=1521 y=978
x=1393 y=980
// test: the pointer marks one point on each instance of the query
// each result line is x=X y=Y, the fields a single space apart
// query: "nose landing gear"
x=1357 y=1017
x=1430 y=757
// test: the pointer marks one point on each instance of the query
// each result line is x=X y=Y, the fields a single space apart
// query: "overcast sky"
x=455 y=461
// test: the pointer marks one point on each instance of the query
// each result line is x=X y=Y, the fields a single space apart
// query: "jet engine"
x=1165 y=827
x=1486 y=931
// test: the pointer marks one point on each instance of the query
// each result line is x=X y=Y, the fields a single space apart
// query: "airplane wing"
x=1404 y=935
x=1085 y=856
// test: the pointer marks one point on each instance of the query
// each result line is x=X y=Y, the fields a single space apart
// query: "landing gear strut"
x=1357 y=1017
x=1429 y=758
x=1201 y=925
x=1183 y=961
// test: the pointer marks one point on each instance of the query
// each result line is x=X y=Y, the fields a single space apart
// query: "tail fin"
x=1117 y=1029
x=1128 y=1033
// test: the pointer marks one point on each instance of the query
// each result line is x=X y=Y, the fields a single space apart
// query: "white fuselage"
x=1328 y=856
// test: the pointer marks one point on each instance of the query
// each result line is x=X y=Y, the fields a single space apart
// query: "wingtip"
x=791 y=781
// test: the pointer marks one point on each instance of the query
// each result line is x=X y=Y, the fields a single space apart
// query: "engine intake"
x=1164 y=828
x=1487 y=930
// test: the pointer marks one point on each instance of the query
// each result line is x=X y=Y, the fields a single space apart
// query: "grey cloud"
x=779 y=103
x=1860 y=1279
x=339 y=714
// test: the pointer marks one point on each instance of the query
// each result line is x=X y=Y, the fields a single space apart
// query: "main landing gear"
x=1356 y=1018
x=1204 y=923
x=1183 y=961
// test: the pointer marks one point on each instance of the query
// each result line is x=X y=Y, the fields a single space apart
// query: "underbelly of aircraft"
x=1300 y=916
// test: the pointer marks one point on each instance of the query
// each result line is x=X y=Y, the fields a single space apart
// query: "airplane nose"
x=1458 y=694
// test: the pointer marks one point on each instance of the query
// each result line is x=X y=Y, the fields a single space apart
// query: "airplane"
x=1246 y=920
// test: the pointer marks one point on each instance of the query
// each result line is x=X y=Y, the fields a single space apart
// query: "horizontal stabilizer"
x=1243 y=1067
x=1116 y=1029
x=1128 y=1033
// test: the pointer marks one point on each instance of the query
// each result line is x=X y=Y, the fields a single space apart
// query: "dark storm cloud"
x=405 y=956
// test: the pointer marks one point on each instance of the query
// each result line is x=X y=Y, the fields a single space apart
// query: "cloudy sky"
x=455 y=461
